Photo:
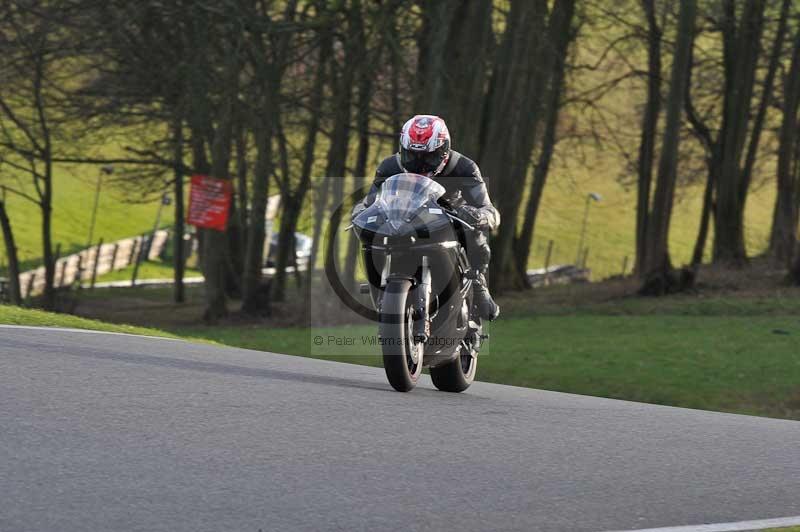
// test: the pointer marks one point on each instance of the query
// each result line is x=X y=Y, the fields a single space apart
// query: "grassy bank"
x=10 y=315
x=74 y=189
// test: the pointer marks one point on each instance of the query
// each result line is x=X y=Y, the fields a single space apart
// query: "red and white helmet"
x=424 y=145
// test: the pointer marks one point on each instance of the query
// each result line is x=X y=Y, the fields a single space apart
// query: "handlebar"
x=459 y=220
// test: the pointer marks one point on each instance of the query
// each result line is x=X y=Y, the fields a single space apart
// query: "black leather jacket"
x=461 y=179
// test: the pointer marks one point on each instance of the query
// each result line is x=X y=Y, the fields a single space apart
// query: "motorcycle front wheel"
x=458 y=374
x=402 y=356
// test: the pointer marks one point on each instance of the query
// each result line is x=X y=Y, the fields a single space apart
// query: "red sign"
x=209 y=202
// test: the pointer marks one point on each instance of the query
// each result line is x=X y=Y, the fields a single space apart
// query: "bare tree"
x=560 y=35
x=741 y=44
x=15 y=294
x=513 y=116
x=369 y=53
x=269 y=55
x=647 y=143
x=31 y=124
x=657 y=262
x=731 y=132
x=784 y=226
x=293 y=193
x=455 y=42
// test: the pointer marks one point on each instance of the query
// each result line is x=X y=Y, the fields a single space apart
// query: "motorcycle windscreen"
x=403 y=195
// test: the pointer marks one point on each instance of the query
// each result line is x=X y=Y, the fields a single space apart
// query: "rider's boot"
x=482 y=299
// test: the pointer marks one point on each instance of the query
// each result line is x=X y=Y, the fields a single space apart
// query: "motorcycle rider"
x=425 y=150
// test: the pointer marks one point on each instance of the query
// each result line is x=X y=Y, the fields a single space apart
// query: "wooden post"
x=585 y=258
x=56 y=258
x=143 y=249
x=547 y=258
x=298 y=278
x=29 y=287
x=62 y=273
x=132 y=254
x=96 y=262
x=79 y=273
x=624 y=265
x=114 y=256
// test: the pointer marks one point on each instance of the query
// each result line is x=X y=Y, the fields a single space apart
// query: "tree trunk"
x=340 y=138
x=292 y=200
x=471 y=45
x=251 y=281
x=395 y=88
x=215 y=266
x=362 y=126
x=705 y=217
x=657 y=261
x=560 y=35
x=729 y=215
x=15 y=294
x=453 y=65
x=647 y=143
x=200 y=166
x=216 y=256
x=291 y=209
x=784 y=227
x=320 y=207
x=433 y=55
x=178 y=256
x=360 y=173
x=712 y=147
x=514 y=117
x=794 y=273
x=241 y=179
x=766 y=97
x=46 y=207
x=337 y=157
x=237 y=228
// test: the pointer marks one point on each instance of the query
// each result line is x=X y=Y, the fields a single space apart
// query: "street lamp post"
x=144 y=251
x=104 y=170
x=592 y=196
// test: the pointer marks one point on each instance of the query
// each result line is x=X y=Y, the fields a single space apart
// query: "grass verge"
x=147 y=270
x=747 y=365
x=717 y=351
x=10 y=315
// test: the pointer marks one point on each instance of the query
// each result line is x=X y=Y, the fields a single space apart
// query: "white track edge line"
x=85 y=331
x=738 y=526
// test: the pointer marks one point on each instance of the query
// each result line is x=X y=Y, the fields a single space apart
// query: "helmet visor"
x=422 y=162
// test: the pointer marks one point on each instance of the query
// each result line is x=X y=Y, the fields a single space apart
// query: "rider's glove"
x=472 y=215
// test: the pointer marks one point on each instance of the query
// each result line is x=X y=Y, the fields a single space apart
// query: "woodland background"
x=690 y=108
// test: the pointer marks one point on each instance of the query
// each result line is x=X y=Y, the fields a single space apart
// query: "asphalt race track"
x=102 y=432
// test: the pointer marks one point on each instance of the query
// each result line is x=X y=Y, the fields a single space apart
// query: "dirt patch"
x=760 y=282
x=759 y=287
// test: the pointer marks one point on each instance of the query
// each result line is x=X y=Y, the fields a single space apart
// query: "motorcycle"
x=417 y=266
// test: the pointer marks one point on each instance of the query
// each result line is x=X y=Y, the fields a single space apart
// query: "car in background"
x=302 y=248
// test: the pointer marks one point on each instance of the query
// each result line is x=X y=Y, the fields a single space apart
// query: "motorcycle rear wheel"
x=397 y=339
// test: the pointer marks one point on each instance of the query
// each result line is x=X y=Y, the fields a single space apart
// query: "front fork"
x=422 y=298
x=422 y=303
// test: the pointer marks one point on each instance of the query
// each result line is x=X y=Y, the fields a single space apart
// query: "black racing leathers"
x=463 y=184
